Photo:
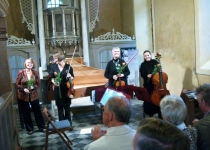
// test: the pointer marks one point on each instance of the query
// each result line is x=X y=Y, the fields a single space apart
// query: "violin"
x=121 y=82
x=70 y=84
x=159 y=80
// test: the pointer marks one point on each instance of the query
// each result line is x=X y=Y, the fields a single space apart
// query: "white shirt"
x=116 y=138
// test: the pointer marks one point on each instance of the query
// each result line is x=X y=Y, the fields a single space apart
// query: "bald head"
x=121 y=108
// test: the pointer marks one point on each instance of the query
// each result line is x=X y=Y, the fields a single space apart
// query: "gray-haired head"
x=121 y=108
x=115 y=48
x=173 y=109
x=204 y=93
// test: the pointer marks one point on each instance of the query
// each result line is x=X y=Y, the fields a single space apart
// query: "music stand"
x=141 y=94
x=110 y=92
x=128 y=89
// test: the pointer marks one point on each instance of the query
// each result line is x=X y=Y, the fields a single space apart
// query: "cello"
x=159 y=80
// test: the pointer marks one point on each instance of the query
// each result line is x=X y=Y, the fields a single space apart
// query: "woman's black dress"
x=64 y=101
x=111 y=71
x=145 y=69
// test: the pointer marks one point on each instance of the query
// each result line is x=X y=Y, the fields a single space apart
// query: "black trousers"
x=62 y=115
x=26 y=110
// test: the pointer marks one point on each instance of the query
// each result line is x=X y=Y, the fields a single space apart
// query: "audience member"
x=119 y=135
x=202 y=125
x=156 y=134
x=174 y=111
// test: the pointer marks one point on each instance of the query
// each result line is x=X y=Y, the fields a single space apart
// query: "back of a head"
x=173 y=109
x=204 y=93
x=156 y=134
x=121 y=108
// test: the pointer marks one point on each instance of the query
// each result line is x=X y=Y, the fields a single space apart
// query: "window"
x=54 y=3
x=202 y=21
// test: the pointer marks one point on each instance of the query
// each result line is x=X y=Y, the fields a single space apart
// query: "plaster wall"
x=142 y=23
x=14 y=22
x=117 y=14
x=175 y=41
x=142 y=26
x=127 y=17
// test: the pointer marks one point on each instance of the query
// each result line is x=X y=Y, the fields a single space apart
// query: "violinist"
x=111 y=71
x=60 y=73
x=146 y=69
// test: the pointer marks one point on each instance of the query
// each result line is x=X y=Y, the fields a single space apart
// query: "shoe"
x=42 y=130
x=30 y=132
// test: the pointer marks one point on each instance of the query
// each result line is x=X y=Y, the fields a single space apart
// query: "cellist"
x=146 y=69
x=111 y=71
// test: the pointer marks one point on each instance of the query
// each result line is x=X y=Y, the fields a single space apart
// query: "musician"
x=63 y=101
x=27 y=83
x=146 y=69
x=111 y=71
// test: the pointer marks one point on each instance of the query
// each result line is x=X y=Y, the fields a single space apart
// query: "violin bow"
x=132 y=57
x=72 y=58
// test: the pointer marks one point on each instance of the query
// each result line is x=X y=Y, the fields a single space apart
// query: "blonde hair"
x=32 y=61
x=59 y=56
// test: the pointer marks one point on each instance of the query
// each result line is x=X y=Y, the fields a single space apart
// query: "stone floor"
x=81 y=122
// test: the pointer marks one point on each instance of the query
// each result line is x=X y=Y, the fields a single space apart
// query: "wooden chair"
x=56 y=127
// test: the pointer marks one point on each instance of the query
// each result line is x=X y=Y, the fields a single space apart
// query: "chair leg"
x=46 y=142
x=65 y=141
x=67 y=138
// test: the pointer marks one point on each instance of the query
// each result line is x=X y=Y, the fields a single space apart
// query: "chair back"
x=56 y=127
x=48 y=116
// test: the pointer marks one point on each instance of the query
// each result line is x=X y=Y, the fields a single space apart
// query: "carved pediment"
x=15 y=41
x=4 y=5
x=112 y=36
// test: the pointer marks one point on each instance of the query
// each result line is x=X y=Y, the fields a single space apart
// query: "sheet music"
x=108 y=94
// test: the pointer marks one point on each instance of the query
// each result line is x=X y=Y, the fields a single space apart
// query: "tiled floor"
x=80 y=121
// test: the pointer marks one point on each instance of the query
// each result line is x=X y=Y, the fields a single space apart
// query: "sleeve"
x=92 y=146
x=18 y=81
x=107 y=73
x=142 y=71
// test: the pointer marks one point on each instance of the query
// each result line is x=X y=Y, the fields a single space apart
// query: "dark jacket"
x=145 y=69
x=203 y=130
x=21 y=83
x=111 y=71
x=64 y=100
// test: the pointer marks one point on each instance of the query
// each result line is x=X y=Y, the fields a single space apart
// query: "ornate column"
x=41 y=35
x=64 y=23
x=85 y=36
